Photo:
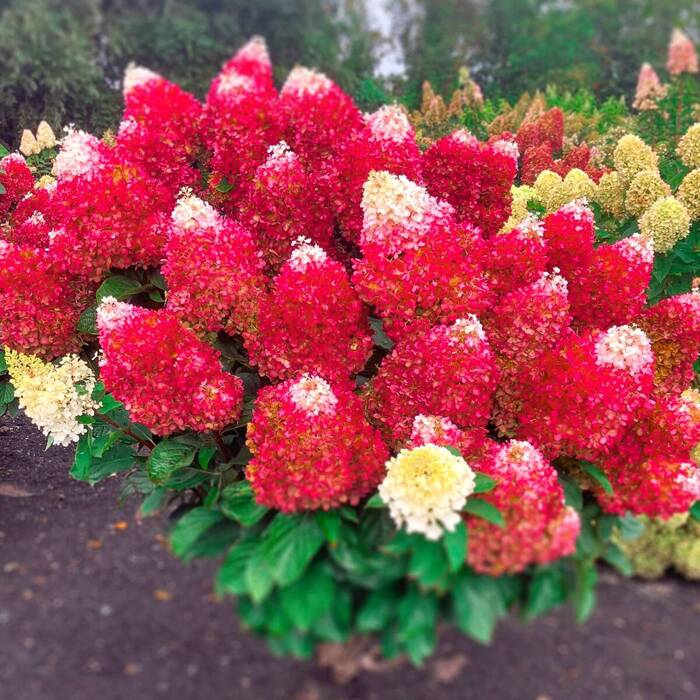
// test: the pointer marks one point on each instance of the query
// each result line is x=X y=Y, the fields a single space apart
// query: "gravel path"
x=92 y=607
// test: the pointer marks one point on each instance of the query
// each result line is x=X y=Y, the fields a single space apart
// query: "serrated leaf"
x=630 y=527
x=167 y=457
x=7 y=392
x=377 y=610
x=614 y=556
x=330 y=523
x=308 y=598
x=695 y=510
x=119 y=287
x=484 y=483
x=189 y=528
x=93 y=469
x=224 y=186
x=484 y=510
x=231 y=575
x=290 y=543
x=375 y=501
x=455 y=544
x=428 y=561
x=477 y=604
x=3 y=363
x=547 y=590
x=572 y=492
x=87 y=323
x=584 y=593
x=238 y=503
x=598 y=476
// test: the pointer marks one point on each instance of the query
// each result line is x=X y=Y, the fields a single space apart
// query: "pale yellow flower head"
x=689 y=193
x=547 y=186
x=632 y=155
x=644 y=189
x=689 y=147
x=665 y=223
x=610 y=194
x=518 y=211
x=426 y=488
x=53 y=396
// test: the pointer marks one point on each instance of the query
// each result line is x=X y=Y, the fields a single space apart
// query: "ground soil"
x=93 y=607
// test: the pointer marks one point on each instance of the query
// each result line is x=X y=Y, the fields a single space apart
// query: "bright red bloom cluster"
x=312 y=447
x=474 y=177
x=17 y=181
x=650 y=470
x=284 y=203
x=151 y=363
x=312 y=321
x=418 y=266
x=41 y=304
x=447 y=371
x=229 y=296
x=539 y=527
x=539 y=141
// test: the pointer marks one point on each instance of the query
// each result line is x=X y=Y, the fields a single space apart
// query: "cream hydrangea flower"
x=689 y=147
x=632 y=155
x=518 y=211
x=665 y=223
x=53 y=396
x=689 y=193
x=611 y=194
x=426 y=488
x=646 y=187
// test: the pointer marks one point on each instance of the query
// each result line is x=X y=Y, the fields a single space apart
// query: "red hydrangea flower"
x=283 y=203
x=673 y=326
x=418 y=267
x=239 y=123
x=474 y=177
x=39 y=303
x=312 y=321
x=547 y=129
x=228 y=293
x=570 y=234
x=166 y=377
x=312 y=447
x=17 y=181
x=387 y=142
x=610 y=290
x=579 y=396
x=113 y=215
x=437 y=430
x=315 y=115
x=650 y=470
x=517 y=257
x=539 y=526
x=448 y=371
x=32 y=220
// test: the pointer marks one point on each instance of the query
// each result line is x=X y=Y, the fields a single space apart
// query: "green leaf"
x=330 y=523
x=224 y=186
x=584 y=592
x=455 y=543
x=477 y=604
x=238 y=503
x=485 y=511
x=309 y=598
x=547 y=590
x=87 y=323
x=92 y=469
x=204 y=455
x=453 y=450
x=3 y=363
x=598 y=476
x=7 y=392
x=152 y=503
x=484 y=483
x=417 y=620
x=290 y=543
x=189 y=528
x=630 y=527
x=258 y=575
x=428 y=561
x=380 y=338
x=695 y=510
x=572 y=492
x=231 y=575
x=375 y=501
x=614 y=556
x=377 y=610
x=119 y=287
x=166 y=457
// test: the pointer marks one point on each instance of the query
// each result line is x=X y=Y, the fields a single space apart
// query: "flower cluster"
x=312 y=446
x=649 y=89
x=689 y=147
x=682 y=57
x=53 y=396
x=151 y=362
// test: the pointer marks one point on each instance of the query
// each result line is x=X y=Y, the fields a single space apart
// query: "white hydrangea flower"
x=191 y=212
x=313 y=395
x=389 y=123
x=625 y=347
x=425 y=489
x=78 y=155
x=306 y=81
x=53 y=396
x=138 y=75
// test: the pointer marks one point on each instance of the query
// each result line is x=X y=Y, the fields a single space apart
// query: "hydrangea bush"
x=348 y=366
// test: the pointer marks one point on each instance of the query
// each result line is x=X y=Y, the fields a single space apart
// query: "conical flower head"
x=682 y=56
